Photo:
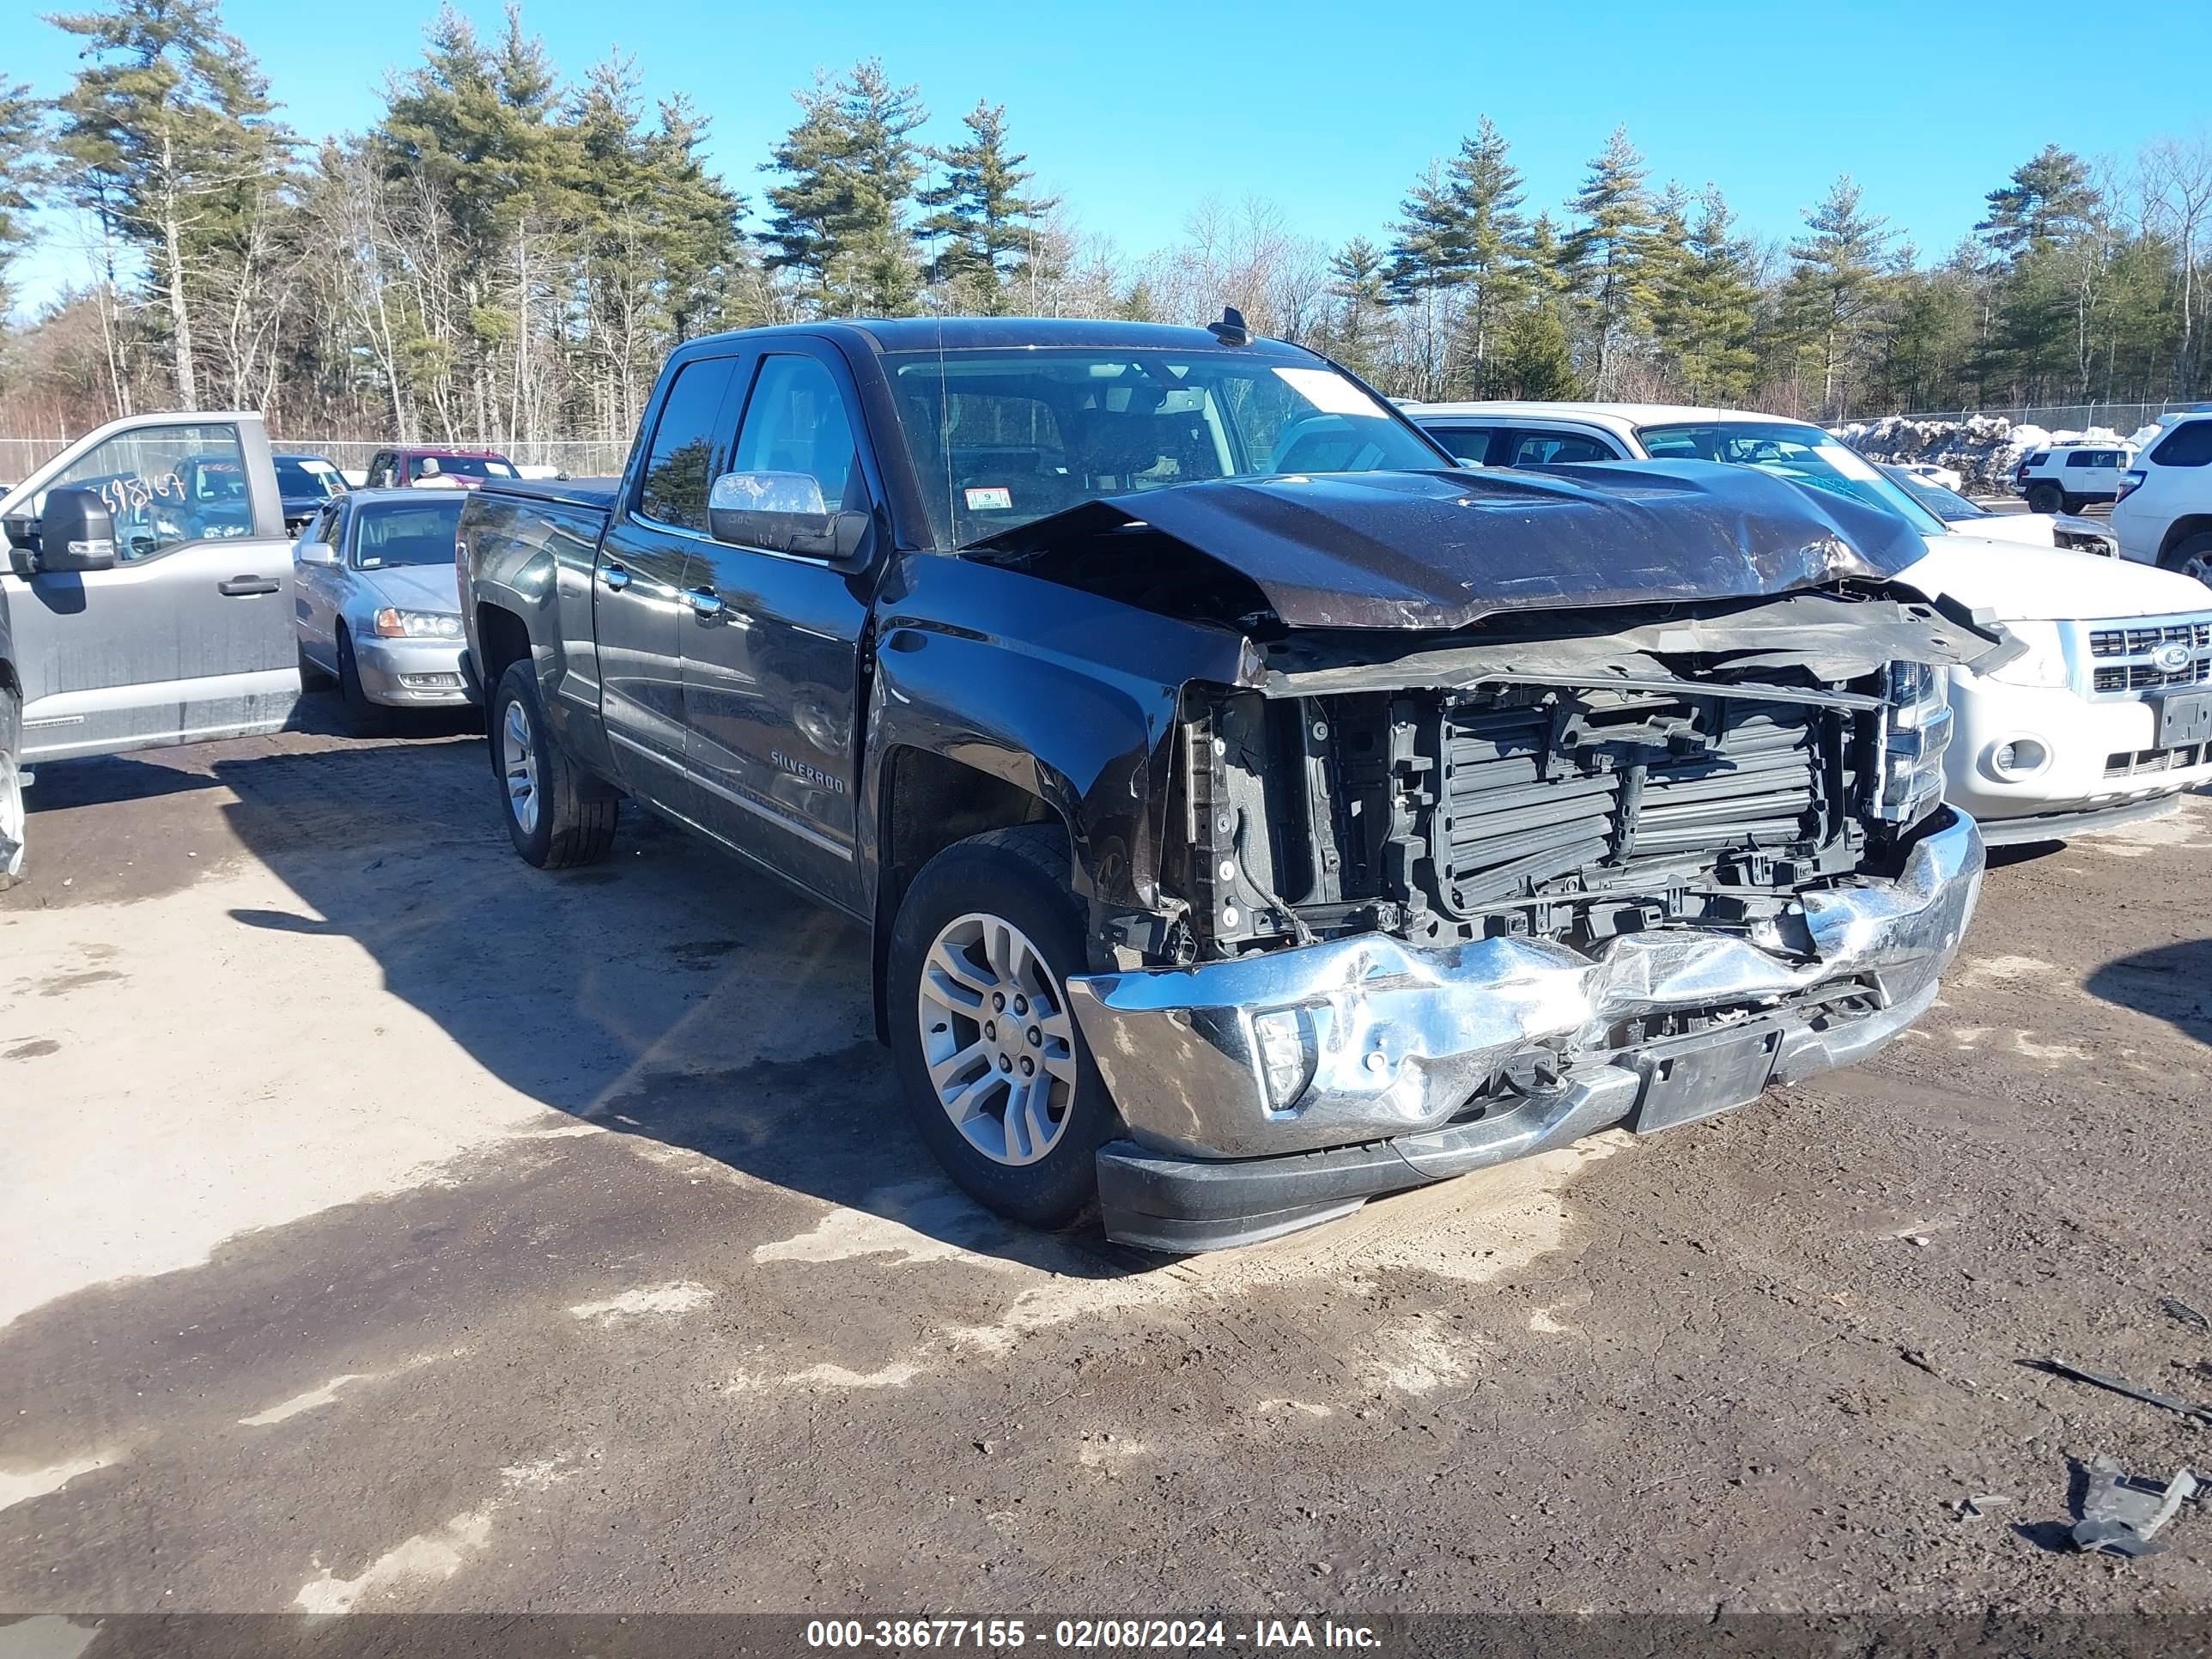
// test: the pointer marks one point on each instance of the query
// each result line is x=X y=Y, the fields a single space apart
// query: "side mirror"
x=316 y=553
x=76 y=532
x=784 y=513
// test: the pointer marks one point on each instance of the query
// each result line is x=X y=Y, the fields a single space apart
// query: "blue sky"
x=1136 y=112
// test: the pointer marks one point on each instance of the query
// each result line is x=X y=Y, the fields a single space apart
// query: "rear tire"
x=991 y=919
x=2045 y=498
x=558 y=816
x=2192 y=558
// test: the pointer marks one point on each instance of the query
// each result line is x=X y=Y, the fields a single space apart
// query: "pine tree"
x=849 y=169
x=1429 y=258
x=21 y=174
x=168 y=135
x=1706 y=304
x=1485 y=197
x=1535 y=360
x=1608 y=253
x=987 y=230
x=1359 y=284
x=2048 y=199
x=1835 y=287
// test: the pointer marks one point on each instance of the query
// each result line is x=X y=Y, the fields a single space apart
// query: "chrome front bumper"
x=1399 y=1039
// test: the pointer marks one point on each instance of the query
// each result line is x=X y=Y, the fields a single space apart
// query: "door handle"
x=705 y=601
x=615 y=577
x=240 y=588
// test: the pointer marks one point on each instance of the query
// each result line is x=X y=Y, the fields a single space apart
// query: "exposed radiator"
x=1517 y=811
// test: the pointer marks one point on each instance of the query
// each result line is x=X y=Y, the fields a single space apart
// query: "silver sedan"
x=375 y=604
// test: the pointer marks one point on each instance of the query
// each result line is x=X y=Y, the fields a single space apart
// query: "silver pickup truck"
x=146 y=599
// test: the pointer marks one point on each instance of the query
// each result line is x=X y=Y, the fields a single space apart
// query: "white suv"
x=2067 y=478
x=2108 y=717
x=2164 y=515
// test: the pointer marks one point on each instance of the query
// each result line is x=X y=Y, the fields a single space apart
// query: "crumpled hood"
x=431 y=587
x=2048 y=584
x=1442 y=549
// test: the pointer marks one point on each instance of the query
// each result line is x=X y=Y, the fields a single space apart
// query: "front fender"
x=1066 y=695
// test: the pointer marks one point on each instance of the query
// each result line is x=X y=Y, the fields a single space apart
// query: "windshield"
x=401 y=532
x=1804 y=454
x=307 y=477
x=1001 y=437
x=1947 y=504
x=473 y=466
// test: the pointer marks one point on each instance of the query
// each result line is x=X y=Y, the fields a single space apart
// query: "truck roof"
x=964 y=333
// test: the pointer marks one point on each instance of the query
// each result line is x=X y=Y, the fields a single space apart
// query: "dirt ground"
x=389 y=1226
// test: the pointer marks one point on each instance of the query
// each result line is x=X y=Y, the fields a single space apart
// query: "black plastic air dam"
x=1160 y=1201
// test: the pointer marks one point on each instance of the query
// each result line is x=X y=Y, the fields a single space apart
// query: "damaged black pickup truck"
x=1252 y=814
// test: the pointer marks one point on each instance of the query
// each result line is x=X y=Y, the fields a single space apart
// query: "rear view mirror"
x=783 y=513
x=75 y=531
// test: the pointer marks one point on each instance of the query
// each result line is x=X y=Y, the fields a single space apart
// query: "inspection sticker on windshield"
x=997 y=498
x=1330 y=393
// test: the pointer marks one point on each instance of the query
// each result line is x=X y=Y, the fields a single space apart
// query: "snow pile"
x=1983 y=448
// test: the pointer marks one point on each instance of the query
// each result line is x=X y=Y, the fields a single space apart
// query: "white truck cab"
x=2108 y=717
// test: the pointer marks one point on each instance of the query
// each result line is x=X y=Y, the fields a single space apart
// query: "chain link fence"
x=2119 y=418
x=572 y=457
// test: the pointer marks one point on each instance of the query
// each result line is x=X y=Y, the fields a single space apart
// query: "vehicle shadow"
x=670 y=992
x=2171 y=982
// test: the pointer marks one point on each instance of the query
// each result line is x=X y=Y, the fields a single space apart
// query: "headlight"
x=1916 y=731
x=2044 y=662
x=393 y=624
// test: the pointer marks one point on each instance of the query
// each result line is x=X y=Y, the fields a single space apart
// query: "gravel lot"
x=390 y=1226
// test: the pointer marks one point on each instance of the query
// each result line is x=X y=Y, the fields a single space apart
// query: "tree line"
x=507 y=252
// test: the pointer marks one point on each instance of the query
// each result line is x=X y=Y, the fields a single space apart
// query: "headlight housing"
x=390 y=623
x=2043 y=663
x=1915 y=732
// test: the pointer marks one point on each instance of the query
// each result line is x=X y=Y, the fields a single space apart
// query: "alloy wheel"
x=518 y=766
x=997 y=1038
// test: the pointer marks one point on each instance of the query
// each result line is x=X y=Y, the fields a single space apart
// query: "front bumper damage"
x=1401 y=1040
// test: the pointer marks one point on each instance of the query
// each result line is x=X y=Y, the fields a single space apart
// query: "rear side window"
x=2188 y=444
x=690 y=445
x=1555 y=449
x=1466 y=443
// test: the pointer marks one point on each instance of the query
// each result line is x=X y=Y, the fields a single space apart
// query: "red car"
x=463 y=469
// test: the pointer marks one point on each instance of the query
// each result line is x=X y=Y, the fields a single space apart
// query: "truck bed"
x=595 y=493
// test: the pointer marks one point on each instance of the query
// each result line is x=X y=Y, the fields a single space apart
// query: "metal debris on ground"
x=1974 y=1508
x=2201 y=1413
x=2174 y=1308
x=2121 y=1516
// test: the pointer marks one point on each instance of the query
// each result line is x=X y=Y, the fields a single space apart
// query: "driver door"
x=189 y=636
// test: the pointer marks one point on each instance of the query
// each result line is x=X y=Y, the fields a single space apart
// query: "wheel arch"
x=929 y=801
x=2182 y=529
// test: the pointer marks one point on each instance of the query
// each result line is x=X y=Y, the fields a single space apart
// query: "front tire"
x=365 y=718
x=999 y=1079
x=558 y=816
x=13 y=821
x=2192 y=558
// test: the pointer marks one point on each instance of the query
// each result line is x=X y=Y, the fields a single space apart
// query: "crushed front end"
x=1463 y=903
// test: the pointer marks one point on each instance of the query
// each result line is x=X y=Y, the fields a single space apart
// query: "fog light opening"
x=1284 y=1039
x=2017 y=758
